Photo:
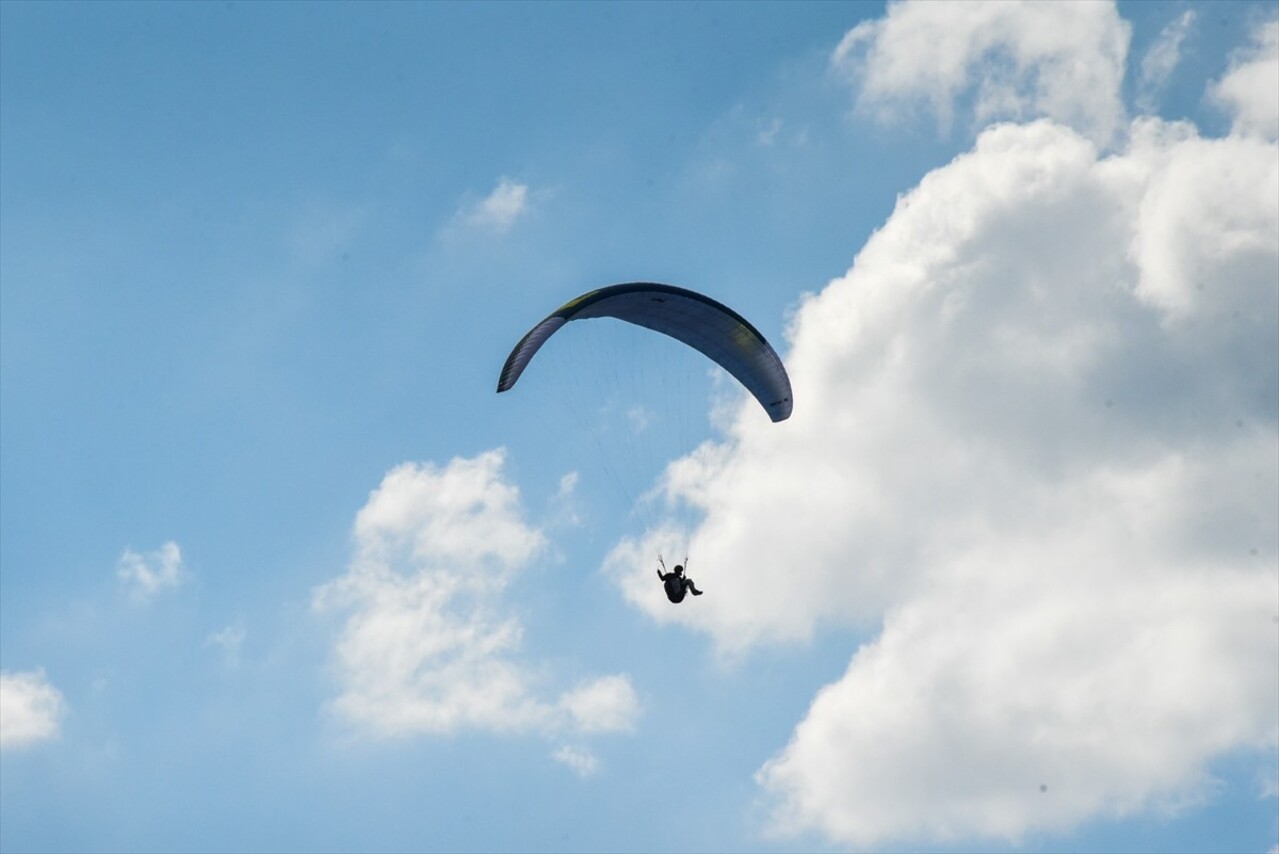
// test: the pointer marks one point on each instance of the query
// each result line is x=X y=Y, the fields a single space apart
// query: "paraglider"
x=676 y=584
x=708 y=326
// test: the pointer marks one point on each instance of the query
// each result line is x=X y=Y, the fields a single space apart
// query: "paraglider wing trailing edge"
x=710 y=327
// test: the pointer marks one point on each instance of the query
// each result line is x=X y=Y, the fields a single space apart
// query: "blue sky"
x=279 y=571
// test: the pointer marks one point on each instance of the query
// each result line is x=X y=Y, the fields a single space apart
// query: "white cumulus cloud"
x=430 y=645
x=31 y=709
x=608 y=704
x=146 y=575
x=1036 y=448
x=1017 y=60
x=1250 y=91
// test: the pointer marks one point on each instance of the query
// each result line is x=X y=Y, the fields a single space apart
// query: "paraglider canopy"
x=710 y=327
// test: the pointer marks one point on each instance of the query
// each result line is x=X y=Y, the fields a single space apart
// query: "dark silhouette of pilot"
x=676 y=584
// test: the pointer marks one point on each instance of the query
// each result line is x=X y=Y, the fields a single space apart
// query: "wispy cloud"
x=500 y=209
x=1268 y=788
x=767 y=135
x=229 y=640
x=146 y=575
x=1161 y=60
x=565 y=510
x=31 y=709
x=639 y=418
x=582 y=761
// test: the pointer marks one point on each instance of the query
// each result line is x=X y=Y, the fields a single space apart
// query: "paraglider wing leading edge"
x=710 y=327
